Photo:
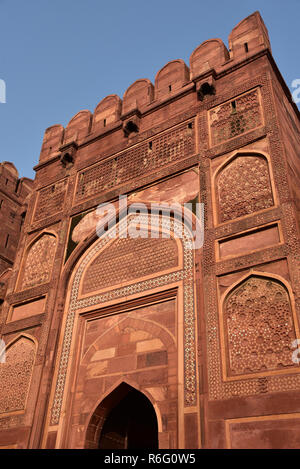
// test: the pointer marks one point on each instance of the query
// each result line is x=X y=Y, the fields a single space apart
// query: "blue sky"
x=60 y=56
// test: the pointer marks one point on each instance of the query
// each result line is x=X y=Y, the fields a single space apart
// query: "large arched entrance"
x=125 y=419
x=131 y=424
x=135 y=325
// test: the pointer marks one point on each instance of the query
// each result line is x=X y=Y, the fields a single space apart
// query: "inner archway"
x=131 y=424
x=125 y=419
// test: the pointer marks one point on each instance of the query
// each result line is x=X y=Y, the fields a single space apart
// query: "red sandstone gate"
x=201 y=336
x=129 y=318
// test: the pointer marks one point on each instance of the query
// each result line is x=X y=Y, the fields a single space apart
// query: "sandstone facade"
x=203 y=338
x=14 y=195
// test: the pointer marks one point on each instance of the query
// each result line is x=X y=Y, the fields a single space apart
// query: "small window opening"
x=104 y=123
x=190 y=125
x=206 y=90
x=6 y=242
x=246 y=47
x=233 y=106
x=6 y=182
x=17 y=185
x=130 y=128
x=150 y=145
x=67 y=160
x=170 y=87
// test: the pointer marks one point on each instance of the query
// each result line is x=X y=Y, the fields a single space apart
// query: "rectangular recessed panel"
x=50 y=200
x=247 y=242
x=268 y=432
x=235 y=117
x=137 y=161
x=30 y=308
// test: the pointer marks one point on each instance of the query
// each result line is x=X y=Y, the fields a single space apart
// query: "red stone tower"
x=13 y=205
x=198 y=341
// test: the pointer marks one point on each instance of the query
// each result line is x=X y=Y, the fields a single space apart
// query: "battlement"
x=98 y=320
x=11 y=184
x=14 y=192
x=208 y=60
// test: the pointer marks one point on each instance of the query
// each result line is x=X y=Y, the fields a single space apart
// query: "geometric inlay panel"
x=244 y=187
x=15 y=375
x=50 y=200
x=128 y=259
x=39 y=261
x=235 y=117
x=259 y=327
x=137 y=161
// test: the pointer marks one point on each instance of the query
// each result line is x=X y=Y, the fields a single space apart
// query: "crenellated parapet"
x=207 y=61
x=249 y=36
x=107 y=112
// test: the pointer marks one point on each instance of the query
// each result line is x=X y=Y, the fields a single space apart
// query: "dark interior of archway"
x=131 y=424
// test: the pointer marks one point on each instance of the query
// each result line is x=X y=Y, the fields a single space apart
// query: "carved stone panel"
x=244 y=187
x=259 y=327
x=15 y=375
x=129 y=259
x=39 y=261
x=235 y=117
x=137 y=161
x=50 y=200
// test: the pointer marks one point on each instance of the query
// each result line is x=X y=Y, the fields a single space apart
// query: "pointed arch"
x=83 y=251
x=105 y=271
x=243 y=184
x=78 y=309
x=38 y=259
x=16 y=373
x=5 y=274
x=111 y=399
x=4 y=279
x=20 y=336
x=258 y=324
x=156 y=329
x=84 y=246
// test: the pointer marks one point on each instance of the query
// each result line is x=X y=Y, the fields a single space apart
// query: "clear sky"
x=58 y=57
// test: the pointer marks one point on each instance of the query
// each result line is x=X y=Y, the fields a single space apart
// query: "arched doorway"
x=125 y=419
x=131 y=424
x=160 y=306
